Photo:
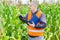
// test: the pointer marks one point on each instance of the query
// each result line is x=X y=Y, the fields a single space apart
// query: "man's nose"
x=30 y=7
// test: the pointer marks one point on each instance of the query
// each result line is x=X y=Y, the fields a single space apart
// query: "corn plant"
x=14 y=29
x=10 y=25
x=52 y=12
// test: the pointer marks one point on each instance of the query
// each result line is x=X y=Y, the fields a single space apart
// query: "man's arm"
x=23 y=19
x=42 y=22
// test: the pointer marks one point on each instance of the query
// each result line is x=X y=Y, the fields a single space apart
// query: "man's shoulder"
x=43 y=17
x=42 y=14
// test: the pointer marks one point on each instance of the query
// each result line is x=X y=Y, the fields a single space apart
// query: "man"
x=36 y=22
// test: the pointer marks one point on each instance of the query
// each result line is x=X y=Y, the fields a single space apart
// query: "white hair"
x=34 y=2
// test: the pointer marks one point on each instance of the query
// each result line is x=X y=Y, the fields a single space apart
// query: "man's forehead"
x=31 y=3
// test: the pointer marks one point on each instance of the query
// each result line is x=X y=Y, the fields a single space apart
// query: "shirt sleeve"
x=43 y=18
x=42 y=22
x=26 y=16
x=23 y=19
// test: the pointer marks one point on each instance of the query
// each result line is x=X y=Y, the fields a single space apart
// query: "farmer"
x=36 y=22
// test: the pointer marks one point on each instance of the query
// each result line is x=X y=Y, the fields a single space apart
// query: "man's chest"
x=34 y=19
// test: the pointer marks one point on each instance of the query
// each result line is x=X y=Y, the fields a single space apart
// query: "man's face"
x=32 y=6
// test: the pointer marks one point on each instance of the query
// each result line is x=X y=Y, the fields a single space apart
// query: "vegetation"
x=11 y=28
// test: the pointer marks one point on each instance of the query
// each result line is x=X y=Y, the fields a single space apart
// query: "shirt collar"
x=35 y=12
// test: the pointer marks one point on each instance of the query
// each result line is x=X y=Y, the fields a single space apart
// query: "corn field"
x=11 y=28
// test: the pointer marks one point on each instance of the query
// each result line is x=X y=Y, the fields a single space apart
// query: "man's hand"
x=33 y=25
x=21 y=18
x=18 y=14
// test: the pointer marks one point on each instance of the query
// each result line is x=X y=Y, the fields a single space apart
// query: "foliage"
x=14 y=29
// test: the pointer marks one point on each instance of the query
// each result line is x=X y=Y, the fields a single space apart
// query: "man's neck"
x=34 y=11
